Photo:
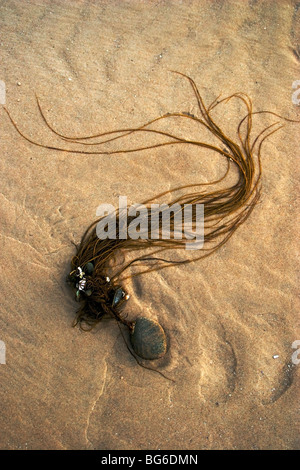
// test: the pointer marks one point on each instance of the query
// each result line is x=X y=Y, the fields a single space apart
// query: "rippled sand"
x=231 y=319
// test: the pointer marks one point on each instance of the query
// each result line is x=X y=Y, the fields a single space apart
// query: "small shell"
x=81 y=284
x=89 y=268
x=148 y=339
x=77 y=296
x=118 y=295
x=79 y=273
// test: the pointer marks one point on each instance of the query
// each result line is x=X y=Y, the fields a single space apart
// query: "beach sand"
x=231 y=319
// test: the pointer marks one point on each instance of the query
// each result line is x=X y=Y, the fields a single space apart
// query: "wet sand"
x=231 y=319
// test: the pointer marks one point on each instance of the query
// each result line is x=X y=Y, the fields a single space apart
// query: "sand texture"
x=231 y=319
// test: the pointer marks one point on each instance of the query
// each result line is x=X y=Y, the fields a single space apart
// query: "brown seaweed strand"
x=226 y=207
